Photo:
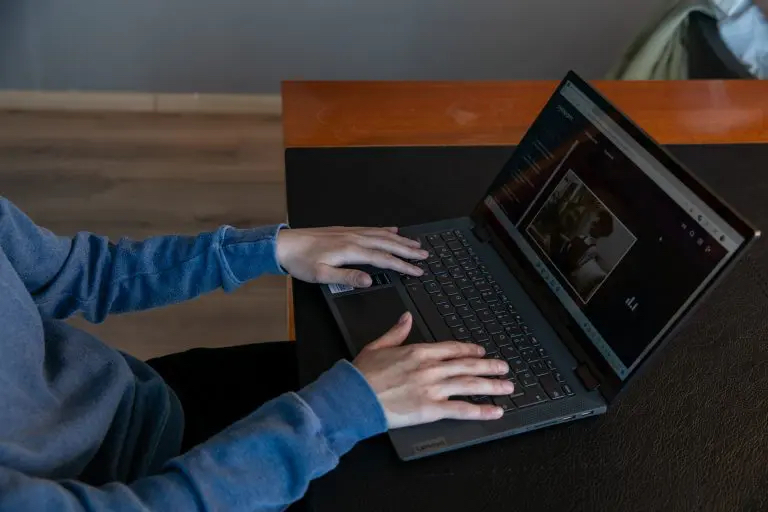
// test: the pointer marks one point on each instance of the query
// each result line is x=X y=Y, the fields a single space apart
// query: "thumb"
x=396 y=335
x=352 y=277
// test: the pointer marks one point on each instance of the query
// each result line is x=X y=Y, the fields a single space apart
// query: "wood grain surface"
x=138 y=175
x=469 y=113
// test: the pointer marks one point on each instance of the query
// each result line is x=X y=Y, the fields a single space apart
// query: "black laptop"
x=590 y=248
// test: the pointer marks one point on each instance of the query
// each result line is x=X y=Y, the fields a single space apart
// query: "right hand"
x=414 y=383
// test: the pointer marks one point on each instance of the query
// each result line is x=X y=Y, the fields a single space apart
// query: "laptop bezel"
x=606 y=379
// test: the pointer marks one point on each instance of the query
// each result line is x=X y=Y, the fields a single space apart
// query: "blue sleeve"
x=264 y=462
x=90 y=274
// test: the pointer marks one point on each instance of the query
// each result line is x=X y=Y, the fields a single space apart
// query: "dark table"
x=690 y=434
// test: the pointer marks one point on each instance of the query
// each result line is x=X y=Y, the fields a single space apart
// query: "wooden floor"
x=139 y=175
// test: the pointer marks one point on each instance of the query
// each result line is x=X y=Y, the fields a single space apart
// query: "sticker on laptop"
x=340 y=288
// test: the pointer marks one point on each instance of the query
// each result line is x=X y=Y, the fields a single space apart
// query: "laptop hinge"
x=481 y=232
x=586 y=377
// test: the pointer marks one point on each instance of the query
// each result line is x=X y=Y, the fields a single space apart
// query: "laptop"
x=589 y=250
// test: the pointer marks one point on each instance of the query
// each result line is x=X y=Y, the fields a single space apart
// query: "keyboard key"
x=468 y=265
x=457 y=273
x=558 y=376
x=509 y=352
x=444 y=279
x=483 y=269
x=450 y=262
x=533 y=395
x=431 y=287
x=539 y=368
x=448 y=236
x=458 y=300
x=450 y=289
x=454 y=245
x=493 y=328
x=464 y=311
x=505 y=319
x=471 y=293
x=432 y=258
x=526 y=378
x=445 y=309
x=498 y=308
x=460 y=333
x=551 y=387
x=461 y=254
x=444 y=252
x=519 y=390
x=497 y=288
x=504 y=402
x=472 y=274
x=435 y=241
x=453 y=321
x=489 y=297
x=489 y=347
x=437 y=268
x=485 y=316
x=426 y=277
x=463 y=283
x=439 y=298
x=513 y=330
x=482 y=287
x=522 y=343
x=480 y=336
x=550 y=364
x=534 y=341
x=517 y=365
x=472 y=322
x=528 y=355
x=477 y=304
x=464 y=242
x=502 y=339
x=480 y=399
x=567 y=389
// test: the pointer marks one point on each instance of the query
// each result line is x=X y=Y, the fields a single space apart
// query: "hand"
x=314 y=255
x=413 y=383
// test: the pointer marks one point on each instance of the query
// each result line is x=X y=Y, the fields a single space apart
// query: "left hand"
x=314 y=255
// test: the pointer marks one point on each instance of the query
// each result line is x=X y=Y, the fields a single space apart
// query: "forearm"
x=264 y=462
x=99 y=277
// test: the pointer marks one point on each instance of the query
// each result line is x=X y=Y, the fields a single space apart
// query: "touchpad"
x=369 y=314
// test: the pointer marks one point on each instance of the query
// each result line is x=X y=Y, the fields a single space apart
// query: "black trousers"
x=218 y=386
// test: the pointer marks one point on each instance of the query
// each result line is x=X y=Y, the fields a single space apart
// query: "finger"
x=392 y=236
x=358 y=255
x=396 y=335
x=332 y=275
x=468 y=386
x=446 y=350
x=460 y=410
x=465 y=366
x=392 y=246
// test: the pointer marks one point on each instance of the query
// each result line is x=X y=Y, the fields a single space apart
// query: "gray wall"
x=250 y=45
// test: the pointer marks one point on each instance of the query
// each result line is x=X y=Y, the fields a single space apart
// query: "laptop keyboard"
x=460 y=300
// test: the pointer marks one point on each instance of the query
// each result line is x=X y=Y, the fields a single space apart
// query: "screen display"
x=619 y=240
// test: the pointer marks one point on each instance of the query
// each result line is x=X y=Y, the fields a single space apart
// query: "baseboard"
x=82 y=101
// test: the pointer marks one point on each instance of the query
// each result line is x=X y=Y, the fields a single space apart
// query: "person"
x=85 y=427
x=579 y=257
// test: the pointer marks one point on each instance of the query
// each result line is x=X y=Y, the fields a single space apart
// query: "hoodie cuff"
x=248 y=253
x=346 y=406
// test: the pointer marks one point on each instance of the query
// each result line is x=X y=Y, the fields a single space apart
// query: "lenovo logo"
x=431 y=444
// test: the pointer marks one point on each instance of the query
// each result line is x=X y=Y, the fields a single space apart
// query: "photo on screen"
x=580 y=236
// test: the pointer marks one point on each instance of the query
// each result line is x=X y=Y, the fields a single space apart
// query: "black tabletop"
x=690 y=434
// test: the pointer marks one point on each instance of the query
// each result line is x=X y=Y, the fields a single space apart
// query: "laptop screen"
x=622 y=243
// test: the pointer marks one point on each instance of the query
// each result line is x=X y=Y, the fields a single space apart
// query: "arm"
x=90 y=274
x=263 y=462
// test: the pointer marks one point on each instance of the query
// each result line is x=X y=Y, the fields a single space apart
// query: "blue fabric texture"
x=85 y=427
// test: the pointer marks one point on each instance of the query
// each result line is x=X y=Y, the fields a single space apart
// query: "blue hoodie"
x=85 y=427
